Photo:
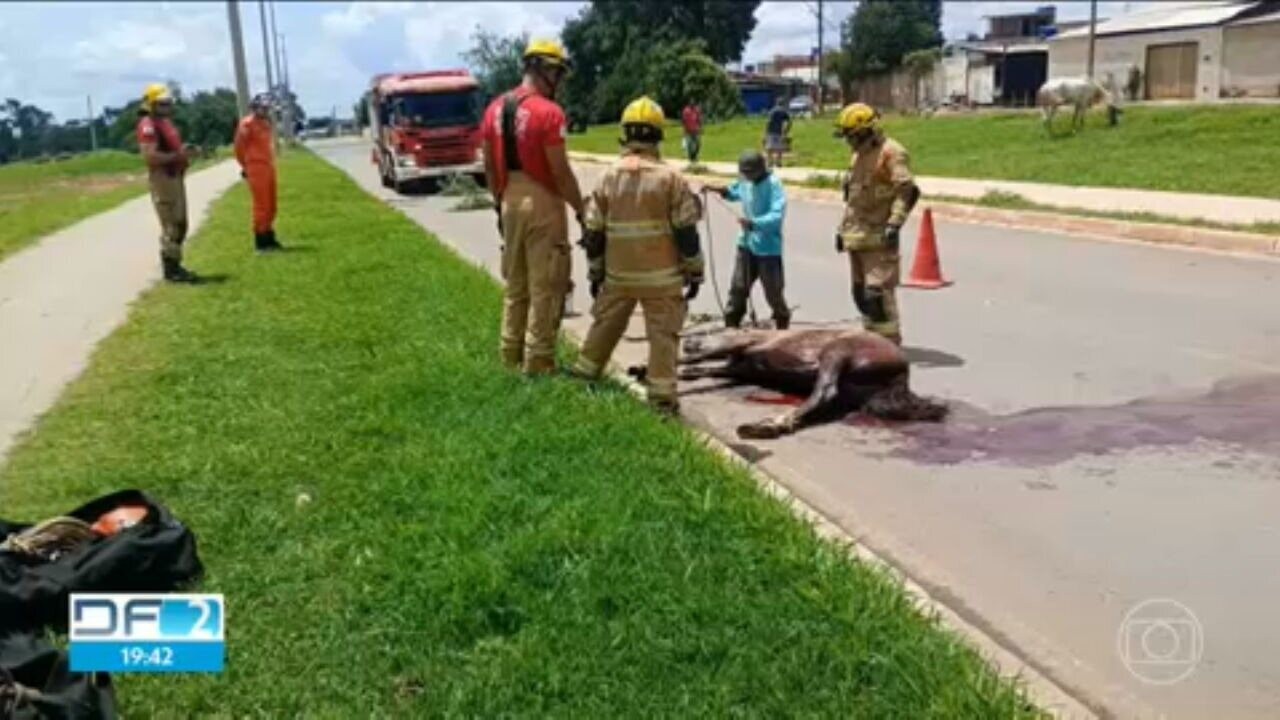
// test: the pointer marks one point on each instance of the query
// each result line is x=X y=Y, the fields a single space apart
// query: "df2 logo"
x=146 y=617
x=1160 y=641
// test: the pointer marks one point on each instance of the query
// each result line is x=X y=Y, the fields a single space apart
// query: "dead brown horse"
x=839 y=370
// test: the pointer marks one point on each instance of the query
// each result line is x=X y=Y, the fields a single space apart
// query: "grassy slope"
x=475 y=543
x=38 y=199
x=1225 y=150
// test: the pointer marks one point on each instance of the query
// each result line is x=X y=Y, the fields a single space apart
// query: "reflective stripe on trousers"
x=663 y=318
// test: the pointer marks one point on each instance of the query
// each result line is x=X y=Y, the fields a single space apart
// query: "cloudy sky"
x=57 y=54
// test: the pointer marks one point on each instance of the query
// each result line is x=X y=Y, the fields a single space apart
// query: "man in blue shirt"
x=764 y=205
x=776 y=130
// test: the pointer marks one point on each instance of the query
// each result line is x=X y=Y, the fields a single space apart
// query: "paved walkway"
x=58 y=298
x=1187 y=206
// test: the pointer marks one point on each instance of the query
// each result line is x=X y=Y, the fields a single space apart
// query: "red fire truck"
x=426 y=126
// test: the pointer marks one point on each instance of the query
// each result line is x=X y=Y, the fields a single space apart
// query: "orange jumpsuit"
x=255 y=151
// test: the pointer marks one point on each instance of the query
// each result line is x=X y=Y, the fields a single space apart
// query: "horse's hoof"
x=759 y=431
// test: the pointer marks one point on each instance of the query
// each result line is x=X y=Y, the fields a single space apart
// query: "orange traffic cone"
x=926 y=271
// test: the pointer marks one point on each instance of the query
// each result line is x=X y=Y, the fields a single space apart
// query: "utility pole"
x=237 y=58
x=266 y=44
x=266 y=55
x=93 y=131
x=288 y=92
x=1093 y=28
x=275 y=39
x=822 y=88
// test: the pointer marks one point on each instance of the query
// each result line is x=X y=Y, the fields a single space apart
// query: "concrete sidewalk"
x=1186 y=206
x=59 y=297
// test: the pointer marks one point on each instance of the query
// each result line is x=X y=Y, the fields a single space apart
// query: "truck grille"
x=446 y=151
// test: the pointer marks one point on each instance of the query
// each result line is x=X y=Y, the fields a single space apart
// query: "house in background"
x=1189 y=51
x=1007 y=66
x=760 y=91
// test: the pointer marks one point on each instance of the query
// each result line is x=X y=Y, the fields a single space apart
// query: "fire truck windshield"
x=437 y=109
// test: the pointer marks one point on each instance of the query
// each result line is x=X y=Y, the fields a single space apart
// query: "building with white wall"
x=1193 y=51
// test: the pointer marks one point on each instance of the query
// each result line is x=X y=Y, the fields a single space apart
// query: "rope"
x=711 y=261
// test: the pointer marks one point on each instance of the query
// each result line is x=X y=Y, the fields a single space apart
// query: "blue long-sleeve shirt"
x=764 y=203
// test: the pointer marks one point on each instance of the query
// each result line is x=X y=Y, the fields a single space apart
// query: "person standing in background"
x=691 y=119
x=255 y=152
x=167 y=161
x=776 y=130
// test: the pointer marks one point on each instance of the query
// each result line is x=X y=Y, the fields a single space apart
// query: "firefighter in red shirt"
x=255 y=151
x=528 y=172
x=167 y=161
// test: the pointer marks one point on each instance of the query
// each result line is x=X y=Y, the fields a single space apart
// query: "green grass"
x=1225 y=150
x=40 y=198
x=474 y=544
x=1014 y=201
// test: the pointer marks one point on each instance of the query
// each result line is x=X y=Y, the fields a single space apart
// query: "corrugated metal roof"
x=1258 y=19
x=1166 y=16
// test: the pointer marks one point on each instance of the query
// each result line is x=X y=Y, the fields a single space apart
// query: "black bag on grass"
x=158 y=554
x=36 y=683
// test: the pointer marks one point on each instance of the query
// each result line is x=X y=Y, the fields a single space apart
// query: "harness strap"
x=510 y=154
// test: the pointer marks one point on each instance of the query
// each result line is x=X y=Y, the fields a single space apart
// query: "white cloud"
x=791 y=28
x=438 y=33
x=357 y=17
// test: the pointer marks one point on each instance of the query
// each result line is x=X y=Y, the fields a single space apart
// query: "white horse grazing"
x=1081 y=93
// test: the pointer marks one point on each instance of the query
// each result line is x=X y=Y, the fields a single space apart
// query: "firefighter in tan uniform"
x=642 y=246
x=879 y=192
x=167 y=160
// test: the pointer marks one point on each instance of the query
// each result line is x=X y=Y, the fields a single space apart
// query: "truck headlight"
x=405 y=161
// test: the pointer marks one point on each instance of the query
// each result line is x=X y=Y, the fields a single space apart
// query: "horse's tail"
x=897 y=402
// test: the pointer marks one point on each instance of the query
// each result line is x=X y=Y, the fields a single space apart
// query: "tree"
x=680 y=72
x=880 y=33
x=360 y=112
x=612 y=43
x=496 y=61
x=26 y=126
x=209 y=118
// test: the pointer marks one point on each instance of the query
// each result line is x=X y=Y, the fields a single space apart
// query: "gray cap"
x=751 y=162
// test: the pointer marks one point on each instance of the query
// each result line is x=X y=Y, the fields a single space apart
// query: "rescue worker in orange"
x=255 y=151
x=528 y=172
x=641 y=238
x=167 y=161
x=879 y=193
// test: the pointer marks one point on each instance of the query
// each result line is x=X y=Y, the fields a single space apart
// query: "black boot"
x=782 y=323
x=266 y=242
x=175 y=273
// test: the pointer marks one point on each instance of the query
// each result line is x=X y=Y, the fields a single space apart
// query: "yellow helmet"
x=857 y=117
x=644 y=111
x=549 y=52
x=155 y=93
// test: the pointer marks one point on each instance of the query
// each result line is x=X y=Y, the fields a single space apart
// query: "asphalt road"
x=1116 y=439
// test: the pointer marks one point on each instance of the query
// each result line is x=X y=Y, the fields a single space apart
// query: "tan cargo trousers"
x=535 y=266
x=875 y=283
x=663 y=319
x=169 y=197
